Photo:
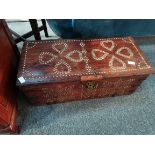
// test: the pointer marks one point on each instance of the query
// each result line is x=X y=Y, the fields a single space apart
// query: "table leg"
x=35 y=29
x=45 y=27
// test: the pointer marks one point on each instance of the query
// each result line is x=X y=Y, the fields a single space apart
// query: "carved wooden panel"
x=8 y=71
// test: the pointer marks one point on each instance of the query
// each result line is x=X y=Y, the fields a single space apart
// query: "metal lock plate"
x=91 y=85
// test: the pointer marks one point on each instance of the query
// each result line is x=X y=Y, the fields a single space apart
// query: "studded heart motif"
x=62 y=46
x=51 y=57
x=62 y=62
x=111 y=63
x=124 y=55
x=108 y=44
x=70 y=54
x=104 y=54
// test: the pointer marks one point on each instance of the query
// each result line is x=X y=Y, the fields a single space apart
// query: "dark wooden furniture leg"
x=18 y=36
x=45 y=27
x=35 y=29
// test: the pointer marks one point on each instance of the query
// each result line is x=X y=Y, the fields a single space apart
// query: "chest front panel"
x=70 y=91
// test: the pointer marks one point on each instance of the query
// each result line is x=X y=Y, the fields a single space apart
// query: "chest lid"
x=70 y=60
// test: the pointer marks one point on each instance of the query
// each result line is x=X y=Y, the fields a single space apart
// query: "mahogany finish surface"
x=54 y=71
x=8 y=72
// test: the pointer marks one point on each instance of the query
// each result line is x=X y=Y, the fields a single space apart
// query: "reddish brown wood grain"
x=65 y=70
x=8 y=71
x=70 y=91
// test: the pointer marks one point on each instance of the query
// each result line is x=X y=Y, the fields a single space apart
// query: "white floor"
x=23 y=26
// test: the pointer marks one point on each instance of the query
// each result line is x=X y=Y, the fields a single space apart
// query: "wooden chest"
x=64 y=70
